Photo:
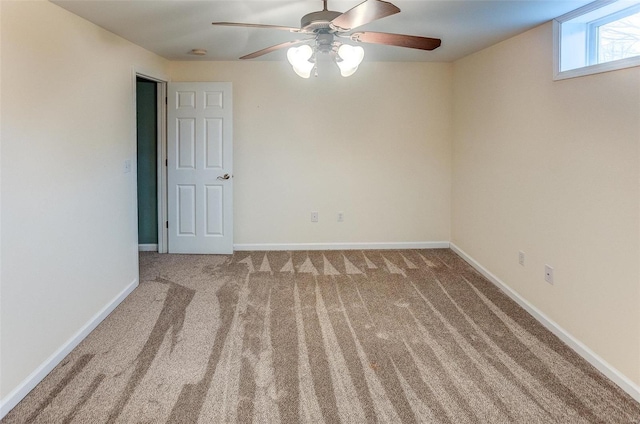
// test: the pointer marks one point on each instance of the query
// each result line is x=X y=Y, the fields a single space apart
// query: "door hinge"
x=167 y=224
x=166 y=100
x=166 y=162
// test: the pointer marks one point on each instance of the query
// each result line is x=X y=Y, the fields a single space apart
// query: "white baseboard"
x=342 y=246
x=12 y=399
x=148 y=247
x=580 y=348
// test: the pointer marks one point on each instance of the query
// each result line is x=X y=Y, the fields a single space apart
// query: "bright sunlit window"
x=602 y=36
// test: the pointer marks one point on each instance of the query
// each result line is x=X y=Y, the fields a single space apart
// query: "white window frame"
x=590 y=42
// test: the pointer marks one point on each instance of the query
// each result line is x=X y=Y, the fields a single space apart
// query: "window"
x=599 y=37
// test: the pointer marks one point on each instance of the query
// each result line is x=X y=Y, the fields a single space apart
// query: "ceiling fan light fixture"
x=299 y=57
x=325 y=25
x=351 y=57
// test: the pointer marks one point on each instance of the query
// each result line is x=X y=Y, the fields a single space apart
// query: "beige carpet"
x=356 y=337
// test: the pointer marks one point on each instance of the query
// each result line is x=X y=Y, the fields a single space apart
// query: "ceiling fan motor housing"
x=324 y=42
x=318 y=21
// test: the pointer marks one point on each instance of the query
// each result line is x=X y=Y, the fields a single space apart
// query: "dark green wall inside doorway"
x=147 y=107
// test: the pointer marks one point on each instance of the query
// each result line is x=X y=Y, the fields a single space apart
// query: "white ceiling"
x=171 y=28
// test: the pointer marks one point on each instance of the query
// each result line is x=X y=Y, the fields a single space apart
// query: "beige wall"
x=376 y=146
x=552 y=168
x=68 y=210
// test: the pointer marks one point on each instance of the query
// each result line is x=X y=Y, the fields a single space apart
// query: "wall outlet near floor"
x=314 y=216
x=548 y=274
x=521 y=258
x=340 y=216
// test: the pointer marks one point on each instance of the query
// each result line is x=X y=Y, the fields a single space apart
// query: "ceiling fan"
x=327 y=28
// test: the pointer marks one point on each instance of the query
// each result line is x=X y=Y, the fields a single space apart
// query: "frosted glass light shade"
x=351 y=58
x=299 y=57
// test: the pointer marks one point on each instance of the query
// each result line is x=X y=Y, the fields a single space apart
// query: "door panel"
x=214 y=203
x=213 y=146
x=200 y=154
x=186 y=148
x=186 y=210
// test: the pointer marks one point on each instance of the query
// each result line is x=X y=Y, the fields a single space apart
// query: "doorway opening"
x=147 y=163
x=150 y=96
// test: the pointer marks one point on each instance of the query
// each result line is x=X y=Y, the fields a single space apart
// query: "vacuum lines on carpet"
x=411 y=336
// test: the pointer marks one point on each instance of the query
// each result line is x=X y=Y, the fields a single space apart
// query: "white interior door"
x=200 y=167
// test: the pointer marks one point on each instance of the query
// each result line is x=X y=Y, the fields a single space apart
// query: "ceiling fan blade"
x=274 y=48
x=237 y=24
x=400 y=40
x=365 y=12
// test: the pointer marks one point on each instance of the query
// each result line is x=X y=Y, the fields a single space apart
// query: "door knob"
x=224 y=177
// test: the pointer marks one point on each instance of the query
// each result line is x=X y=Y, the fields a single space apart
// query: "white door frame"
x=161 y=82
